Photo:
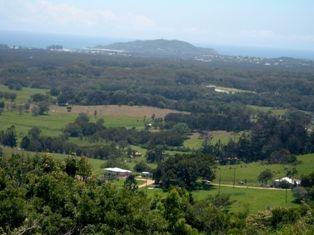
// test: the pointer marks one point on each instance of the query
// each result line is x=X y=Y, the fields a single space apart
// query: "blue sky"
x=263 y=23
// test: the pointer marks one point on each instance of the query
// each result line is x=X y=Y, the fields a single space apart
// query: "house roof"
x=289 y=180
x=117 y=170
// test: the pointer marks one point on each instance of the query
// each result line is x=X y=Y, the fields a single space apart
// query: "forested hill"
x=161 y=47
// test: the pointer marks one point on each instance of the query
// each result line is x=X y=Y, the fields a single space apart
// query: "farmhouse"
x=117 y=172
x=288 y=181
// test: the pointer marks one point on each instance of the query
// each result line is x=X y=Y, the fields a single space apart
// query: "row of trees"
x=230 y=120
x=40 y=195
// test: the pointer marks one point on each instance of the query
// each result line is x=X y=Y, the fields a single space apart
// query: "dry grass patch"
x=116 y=110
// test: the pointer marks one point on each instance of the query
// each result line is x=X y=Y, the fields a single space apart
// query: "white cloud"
x=73 y=18
x=44 y=14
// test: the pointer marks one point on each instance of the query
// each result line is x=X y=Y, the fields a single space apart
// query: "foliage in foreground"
x=40 y=195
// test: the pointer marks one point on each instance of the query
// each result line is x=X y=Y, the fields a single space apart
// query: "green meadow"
x=242 y=199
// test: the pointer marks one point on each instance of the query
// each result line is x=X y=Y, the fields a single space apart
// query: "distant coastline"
x=42 y=40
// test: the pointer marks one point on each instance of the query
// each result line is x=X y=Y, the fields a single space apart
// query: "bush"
x=299 y=194
x=141 y=166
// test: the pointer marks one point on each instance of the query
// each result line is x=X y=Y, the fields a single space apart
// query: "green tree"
x=265 y=176
x=184 y=170
x=84 y=168
x=141 y=166
x=8 y=138
x=154 y=155
x=181 y=128
x=130 y=183
x=71 y=166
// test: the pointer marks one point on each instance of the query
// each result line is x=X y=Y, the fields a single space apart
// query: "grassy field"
x=195 y=141
x=243 y=198
x=53 y=124
x=251 y=199
x=251 y=171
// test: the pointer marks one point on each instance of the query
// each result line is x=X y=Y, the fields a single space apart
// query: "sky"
x=255 y=23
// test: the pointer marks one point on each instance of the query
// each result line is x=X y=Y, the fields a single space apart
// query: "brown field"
x=115 y=110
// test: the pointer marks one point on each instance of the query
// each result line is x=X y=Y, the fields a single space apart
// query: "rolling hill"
x=161 y=48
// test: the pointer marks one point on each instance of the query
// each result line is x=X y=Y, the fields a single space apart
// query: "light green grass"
x=53 y=124
x=251 y=171
x=50 y=125
x=276 y=111
x=224 y=136
x=123 y=121
x=195 y=141
x=24 y=94
x=252 y=200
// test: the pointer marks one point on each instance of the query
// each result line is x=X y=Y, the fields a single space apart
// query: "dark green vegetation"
x=270 y=138
x=178 y=84
x=184 y=171
x=45 y=196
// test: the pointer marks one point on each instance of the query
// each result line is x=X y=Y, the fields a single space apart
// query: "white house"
x=117 y=172
x=287 y=180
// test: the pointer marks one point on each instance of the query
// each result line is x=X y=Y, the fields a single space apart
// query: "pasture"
x=53 y=124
